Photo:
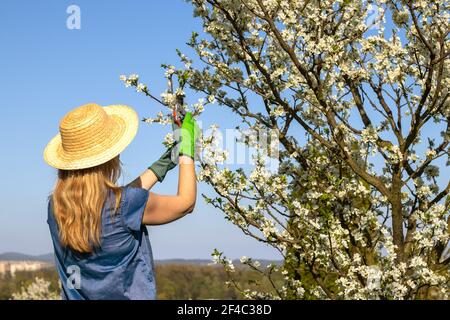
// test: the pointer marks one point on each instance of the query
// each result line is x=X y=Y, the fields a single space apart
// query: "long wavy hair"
x=78 y=199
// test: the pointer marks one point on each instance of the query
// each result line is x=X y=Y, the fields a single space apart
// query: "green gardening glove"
x=189 y=135
x=166 y=162
x=163 y=165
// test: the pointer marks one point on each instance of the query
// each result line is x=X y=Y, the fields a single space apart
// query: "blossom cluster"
x=39 y=289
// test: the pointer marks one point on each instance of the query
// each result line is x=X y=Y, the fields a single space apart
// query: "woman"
x=102 y=250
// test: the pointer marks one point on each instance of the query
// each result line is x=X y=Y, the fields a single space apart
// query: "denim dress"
x=122 y=266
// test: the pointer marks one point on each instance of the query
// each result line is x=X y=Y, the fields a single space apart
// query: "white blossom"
x=37 y=290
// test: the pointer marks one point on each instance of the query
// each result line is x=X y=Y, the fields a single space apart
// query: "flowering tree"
x=37 y=290
x=359 y=101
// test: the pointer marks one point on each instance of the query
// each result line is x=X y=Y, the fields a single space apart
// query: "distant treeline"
x=174 y=281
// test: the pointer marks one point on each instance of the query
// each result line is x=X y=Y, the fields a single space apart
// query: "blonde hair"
x=78 y=200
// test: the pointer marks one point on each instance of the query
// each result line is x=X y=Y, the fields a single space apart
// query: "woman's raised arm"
x=163 y=209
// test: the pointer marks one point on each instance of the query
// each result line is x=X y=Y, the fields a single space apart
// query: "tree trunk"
x=397 y=213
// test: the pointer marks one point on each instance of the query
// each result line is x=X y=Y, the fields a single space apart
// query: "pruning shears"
x=178 y=113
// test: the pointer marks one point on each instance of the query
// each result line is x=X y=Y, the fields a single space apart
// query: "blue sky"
x=47 y=69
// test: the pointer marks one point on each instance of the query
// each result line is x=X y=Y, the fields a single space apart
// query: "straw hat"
x=91 y=135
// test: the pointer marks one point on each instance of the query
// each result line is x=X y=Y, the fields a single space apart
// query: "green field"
x=174 y=281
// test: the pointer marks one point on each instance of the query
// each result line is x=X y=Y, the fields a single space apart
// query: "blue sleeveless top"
x=122 y=267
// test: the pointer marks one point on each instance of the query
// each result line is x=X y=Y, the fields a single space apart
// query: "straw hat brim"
x=124 y=132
